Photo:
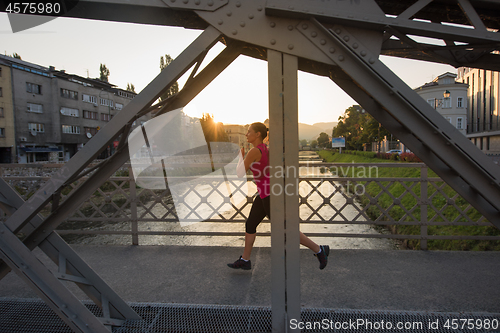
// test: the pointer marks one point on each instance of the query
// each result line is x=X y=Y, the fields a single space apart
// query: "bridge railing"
x=413 y=209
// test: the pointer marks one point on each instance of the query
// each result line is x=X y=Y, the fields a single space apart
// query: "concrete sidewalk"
x=353 y=279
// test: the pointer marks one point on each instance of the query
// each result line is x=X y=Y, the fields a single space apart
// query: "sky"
x=132 y=54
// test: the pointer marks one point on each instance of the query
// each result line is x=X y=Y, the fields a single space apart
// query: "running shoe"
x=323 y=256
x=240 y=263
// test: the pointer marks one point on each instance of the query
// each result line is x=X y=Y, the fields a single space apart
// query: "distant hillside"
x=310 y=132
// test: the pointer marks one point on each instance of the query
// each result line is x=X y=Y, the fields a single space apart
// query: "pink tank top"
x=260 y=172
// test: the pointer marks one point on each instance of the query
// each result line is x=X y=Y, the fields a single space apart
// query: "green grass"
x=409 y=202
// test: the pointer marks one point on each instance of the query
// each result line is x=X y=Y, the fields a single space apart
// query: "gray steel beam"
x=284 y=142
x=276 y=146
x=471 y=173
x=46 y=285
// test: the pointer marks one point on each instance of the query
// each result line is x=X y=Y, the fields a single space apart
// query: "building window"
x=40 y=128
x=91 y=130
x=1 y=113
x=460 y=102
x=432 y=102
x=119 y=106
x=1 y=92
x=0 y=71
x=69 y=94
x=69 y=112
x=37 y=108
x=2 y=132
x=33 y=88
x=89 y=99
x=107 y=102
x=106 y=116
x=90 y=115
x=68 y=129
x=487 y=143
x=460 y=123
x=447 y=102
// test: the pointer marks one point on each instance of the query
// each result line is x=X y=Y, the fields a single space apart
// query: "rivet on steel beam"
x=272 y=24
x=259 y=8
x=350 y=16
x=332 y=50
x=273 y=41
x=172 y=1
x=242 y=24
x=363 y=53
x=220 y=22
x=322 y=42
x=63 y=306
x=355 y=45
x=290 y=46
x=73 y=316
x=250 y=16
x=371 y=61
x=391 y=92
x=197 y=2
x=338 y=31
x=341 y=58
x=238 y=4
x=185 y=1
x=229 y=13
x=313 y=34
x=234 y=32
x=210 y=3
x=346 y=38
x=291 y=8
x=305 y=26
x=290 y=27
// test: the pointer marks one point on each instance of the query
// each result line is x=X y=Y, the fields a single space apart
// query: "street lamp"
x=440 y=102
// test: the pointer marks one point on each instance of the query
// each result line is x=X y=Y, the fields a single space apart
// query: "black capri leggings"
x=260 y=209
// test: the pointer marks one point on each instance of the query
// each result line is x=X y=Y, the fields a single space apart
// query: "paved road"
x=353 y=279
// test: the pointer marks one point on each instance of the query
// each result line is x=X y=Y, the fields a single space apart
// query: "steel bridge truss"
x=341 y=40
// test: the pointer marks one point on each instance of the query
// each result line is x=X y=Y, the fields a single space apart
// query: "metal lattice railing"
x=414 y=208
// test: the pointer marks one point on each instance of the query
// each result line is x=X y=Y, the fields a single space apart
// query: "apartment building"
x=447 y=97
x=7 y=131
x=483 y=124
x=56 y=113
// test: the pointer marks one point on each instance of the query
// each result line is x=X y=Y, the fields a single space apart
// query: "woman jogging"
x=257 y=160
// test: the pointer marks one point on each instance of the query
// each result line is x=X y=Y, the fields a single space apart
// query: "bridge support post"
x=284 y=143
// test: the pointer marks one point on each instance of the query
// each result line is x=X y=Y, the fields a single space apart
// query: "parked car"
x=394 y=151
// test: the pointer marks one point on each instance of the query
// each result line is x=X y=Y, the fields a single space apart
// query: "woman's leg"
x=249 y=240
x=307 y=242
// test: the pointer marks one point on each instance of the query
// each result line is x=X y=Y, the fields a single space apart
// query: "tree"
x=131 y=88
x=104 y=73
x=214 y=132
x=358 y=128
x=314 y=144
x=323 y=139
x=17 y=56
x=303 y=142
x=174 y=89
